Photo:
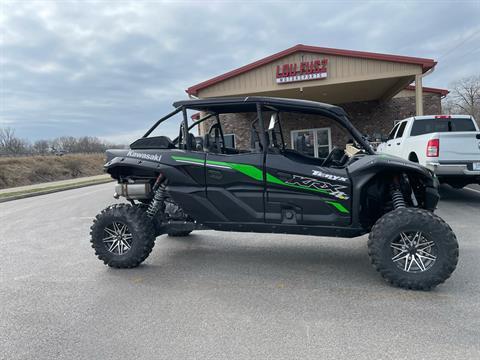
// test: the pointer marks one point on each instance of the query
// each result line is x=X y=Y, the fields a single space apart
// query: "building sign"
x=305 y=70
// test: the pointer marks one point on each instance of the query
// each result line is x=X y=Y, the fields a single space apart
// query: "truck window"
x=401 y=129
x=392 y=133
x=421 y=127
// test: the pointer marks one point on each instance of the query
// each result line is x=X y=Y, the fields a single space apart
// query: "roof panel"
x=248 y=104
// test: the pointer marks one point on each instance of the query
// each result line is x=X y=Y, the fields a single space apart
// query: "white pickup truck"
x=449 y=145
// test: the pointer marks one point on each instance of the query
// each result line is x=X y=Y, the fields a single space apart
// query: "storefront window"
x=312 y=142
x=229 y=140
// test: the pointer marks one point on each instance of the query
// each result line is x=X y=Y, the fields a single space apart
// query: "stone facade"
x=369 y=117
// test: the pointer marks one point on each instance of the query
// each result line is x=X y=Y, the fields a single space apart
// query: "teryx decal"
x=330 y=189
x=328 y=176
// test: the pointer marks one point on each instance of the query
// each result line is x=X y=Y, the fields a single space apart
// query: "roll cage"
x=213 y=107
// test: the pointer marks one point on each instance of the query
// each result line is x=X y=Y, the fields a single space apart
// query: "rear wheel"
x=122 y=236
x=413 y=248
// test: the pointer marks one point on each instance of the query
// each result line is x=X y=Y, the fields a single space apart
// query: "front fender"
x=368 y=167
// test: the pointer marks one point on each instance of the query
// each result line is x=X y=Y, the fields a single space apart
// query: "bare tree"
x=10 y=144
x=65 y=143
x=41 y=147
x=464 y=97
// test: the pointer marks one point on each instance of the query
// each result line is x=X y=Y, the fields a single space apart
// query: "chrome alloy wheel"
x=412 y=252
x=117 y=239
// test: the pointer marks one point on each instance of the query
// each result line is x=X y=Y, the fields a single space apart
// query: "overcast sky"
x=111 y=68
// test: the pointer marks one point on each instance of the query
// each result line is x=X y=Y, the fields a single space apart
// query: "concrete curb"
x=50 y=191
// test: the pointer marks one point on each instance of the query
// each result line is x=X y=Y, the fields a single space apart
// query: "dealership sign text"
x=305 y=70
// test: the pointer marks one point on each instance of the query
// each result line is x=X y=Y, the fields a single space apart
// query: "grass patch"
x=29 y=170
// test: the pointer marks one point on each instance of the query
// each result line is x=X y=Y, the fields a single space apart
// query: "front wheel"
x=413 y=248
x=122 y=236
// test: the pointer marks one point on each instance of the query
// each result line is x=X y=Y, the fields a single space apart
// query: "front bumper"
x=453 y=169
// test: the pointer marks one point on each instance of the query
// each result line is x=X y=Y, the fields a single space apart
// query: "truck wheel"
x=179 y=233
x=413 y=248
x=122 y=236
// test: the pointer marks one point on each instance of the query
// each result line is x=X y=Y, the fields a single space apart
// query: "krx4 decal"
x=330 y=189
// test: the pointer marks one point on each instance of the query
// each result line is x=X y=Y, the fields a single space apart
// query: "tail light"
x=433 y=148
x=443 y=117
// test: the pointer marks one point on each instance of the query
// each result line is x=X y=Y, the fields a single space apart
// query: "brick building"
x=375 y=90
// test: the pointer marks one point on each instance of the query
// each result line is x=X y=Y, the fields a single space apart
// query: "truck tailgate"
x=463 y=146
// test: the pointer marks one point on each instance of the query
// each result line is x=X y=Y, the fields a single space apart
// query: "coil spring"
x=397 y=198
x=157 y=203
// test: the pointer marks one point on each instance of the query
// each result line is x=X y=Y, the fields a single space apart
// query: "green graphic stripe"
x=338 y=206
x=187 y=159
x=257 y=174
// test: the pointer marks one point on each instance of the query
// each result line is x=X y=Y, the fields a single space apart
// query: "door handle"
x=398 y=143
x=389 y=144
x=215 y=174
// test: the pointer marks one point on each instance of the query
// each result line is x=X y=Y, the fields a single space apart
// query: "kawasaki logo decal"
x=153 y=157
x=298 y=182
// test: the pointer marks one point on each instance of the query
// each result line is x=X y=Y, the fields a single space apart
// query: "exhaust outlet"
x=133 y=191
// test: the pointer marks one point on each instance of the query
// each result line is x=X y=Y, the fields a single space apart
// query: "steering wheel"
x=333 y=157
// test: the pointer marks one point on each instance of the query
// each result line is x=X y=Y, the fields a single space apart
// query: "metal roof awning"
x=345 y=76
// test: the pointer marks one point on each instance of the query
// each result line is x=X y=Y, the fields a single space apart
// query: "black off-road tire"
x=179 y=233
x=138 y=224
x=389 y=227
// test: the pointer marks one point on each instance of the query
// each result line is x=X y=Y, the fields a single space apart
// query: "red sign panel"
x=305 y=70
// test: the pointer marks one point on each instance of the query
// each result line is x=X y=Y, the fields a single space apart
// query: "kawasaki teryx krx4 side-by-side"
x=176 y=186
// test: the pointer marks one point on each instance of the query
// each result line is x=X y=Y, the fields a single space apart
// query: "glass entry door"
x=312 y=142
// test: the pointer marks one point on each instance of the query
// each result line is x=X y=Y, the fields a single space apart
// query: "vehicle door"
x=234 y=179
x=396 y=147
x=301 y=191
x=386 y=147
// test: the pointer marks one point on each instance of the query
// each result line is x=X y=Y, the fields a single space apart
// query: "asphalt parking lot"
x=223 y=295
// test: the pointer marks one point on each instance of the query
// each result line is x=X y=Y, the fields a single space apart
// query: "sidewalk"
x=49 y=187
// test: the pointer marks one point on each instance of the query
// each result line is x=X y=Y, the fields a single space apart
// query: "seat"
x=198 y=143
x=215 y=144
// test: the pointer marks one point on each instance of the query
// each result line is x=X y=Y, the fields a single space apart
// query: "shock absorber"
x=159 y=195
x=397 y=197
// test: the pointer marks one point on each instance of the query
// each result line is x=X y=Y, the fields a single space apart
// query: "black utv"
x=176 y=186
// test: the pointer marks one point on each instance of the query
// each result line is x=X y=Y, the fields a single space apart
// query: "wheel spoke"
x=404 y=238
x=416 y=238
x=406 y=262
x=427 y=255
x=424 y=245
x=411 y=262
x=419 y=263
x=109 y=237
x=113 y=246
x=110 y=232
x=401 y=258
x=398 y=256
x=398 y=247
